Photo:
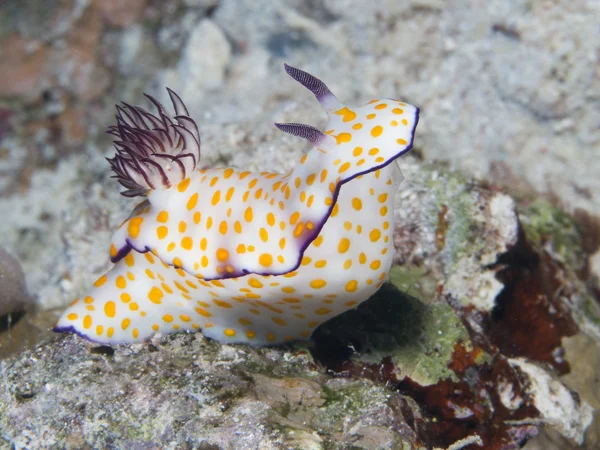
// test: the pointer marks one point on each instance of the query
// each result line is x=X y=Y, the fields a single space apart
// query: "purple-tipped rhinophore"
x=154 y=151
x=316 y=86
x=310 y=133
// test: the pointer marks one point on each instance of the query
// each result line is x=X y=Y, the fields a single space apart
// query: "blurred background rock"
x=509 y=93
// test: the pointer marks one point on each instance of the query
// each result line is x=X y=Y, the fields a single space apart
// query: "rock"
x=120 y=13
x=203 y=62
x=181 y=392
x=24 y=66
x=559 y=407
x=14 y=297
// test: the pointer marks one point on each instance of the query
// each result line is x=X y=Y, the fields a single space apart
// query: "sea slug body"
x=259 y=258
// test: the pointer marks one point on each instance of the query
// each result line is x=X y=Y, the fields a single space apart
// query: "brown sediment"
x=531 y=315
x=442 y=228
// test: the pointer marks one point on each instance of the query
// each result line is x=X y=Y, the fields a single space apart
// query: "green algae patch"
x=545 y=225
x=418 y=338
x=450 y=212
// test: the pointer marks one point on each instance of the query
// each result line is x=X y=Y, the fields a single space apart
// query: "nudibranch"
x=259 y=258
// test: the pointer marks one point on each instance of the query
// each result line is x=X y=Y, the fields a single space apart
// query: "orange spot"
x=100 y=281
x=222 y=255
x=343 y=245
x=279 y=321
x=155 y=295
x=318 y=283
x=167 y=318
x=87 y=322
x=298 y=230
x=343 y=137
x=357 y=151
x=120 y=282
x=351 y=286
x=357 y=203
x=221 y=303
x=322 y=311
x=223 y=227
x=186 y=243
x=357 y=126
x=134 y=225
x=398 y=111
x=248 y=215
x=264 y=236
x=72 y=316
x=227 y=173
x=216 y=198
x=374 y=235
x=344 y=167
x=347 y=114
x=265 y=260
x=401 y=141
x=161 y=232
x=125 y=324
x=381 y=106
x=192 y=202
x=183 y=185
x=294 y=218
x=376 y=131
x=323 y=175
x=253 y=282
x=203 y=312
x=129 y=259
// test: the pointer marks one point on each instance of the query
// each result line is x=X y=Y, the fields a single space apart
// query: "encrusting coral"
x=260 y=258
